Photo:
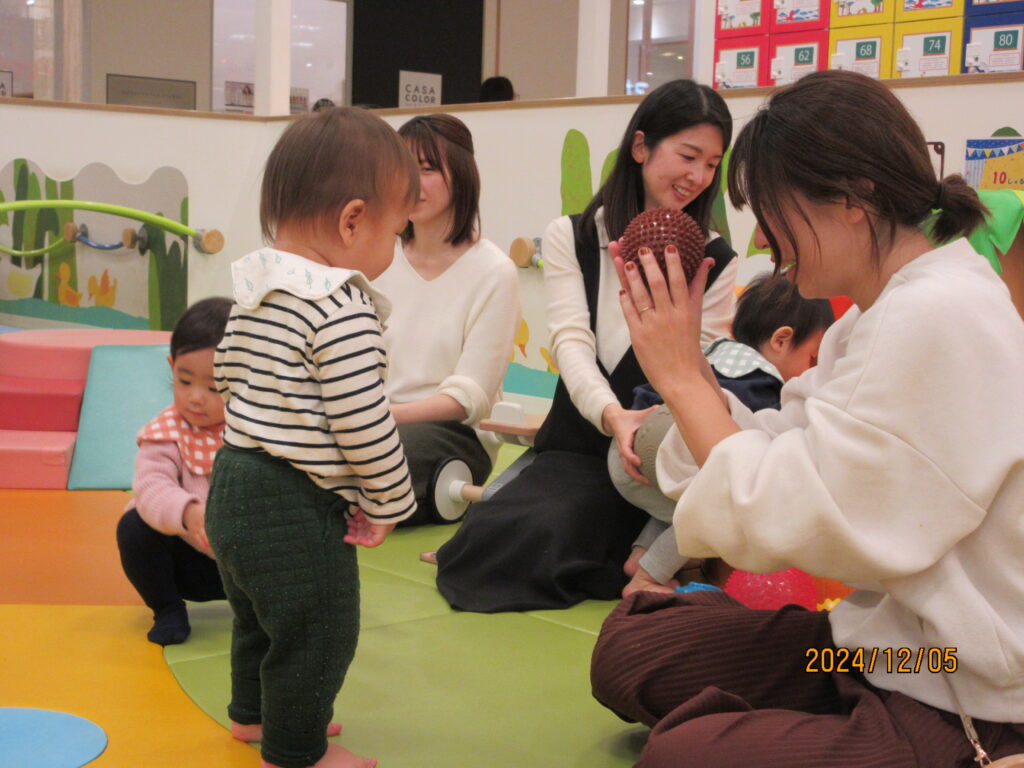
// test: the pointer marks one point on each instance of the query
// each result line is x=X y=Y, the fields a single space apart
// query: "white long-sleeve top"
x=897 y=466
x=574 y=346
x=451 y=335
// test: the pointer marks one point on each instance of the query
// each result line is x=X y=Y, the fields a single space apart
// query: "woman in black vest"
x=559 y=533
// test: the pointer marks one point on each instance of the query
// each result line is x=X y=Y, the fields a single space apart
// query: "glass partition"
x=660 y=43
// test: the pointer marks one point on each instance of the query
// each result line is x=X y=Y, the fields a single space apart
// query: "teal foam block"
x=125 y=388
x=40 y=738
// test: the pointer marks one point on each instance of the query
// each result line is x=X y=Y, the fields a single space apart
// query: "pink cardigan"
x=164 y=486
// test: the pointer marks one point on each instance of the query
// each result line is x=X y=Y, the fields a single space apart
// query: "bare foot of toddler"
x=642 y=581
x=634 y=561
x=254 y=732
x=337 y=757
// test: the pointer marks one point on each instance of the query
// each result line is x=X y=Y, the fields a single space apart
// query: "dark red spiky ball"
x=660 y=227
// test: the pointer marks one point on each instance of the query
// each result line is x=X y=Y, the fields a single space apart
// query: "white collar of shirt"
x=269 y=269
x=734 y=359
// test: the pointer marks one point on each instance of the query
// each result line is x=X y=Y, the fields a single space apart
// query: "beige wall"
x=533 y=43
x=618 y=44
x=148 y=38
x=536 y=46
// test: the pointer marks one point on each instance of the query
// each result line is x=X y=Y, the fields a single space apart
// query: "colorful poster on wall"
x=996 y=163
x=916 y=5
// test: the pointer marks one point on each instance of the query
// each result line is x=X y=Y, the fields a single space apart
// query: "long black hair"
x=665 y=111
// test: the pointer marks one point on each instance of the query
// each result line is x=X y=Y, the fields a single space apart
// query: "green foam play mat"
x=431 y=686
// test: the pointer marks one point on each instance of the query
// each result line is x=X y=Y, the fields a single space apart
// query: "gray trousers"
x=662 y=559
x=429 y=442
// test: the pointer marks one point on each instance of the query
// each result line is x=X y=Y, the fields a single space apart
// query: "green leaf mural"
x=577 y=181
x=33 y=228
x=56 y=292
x=719 y=213
x=53 y=221
x=168 y=279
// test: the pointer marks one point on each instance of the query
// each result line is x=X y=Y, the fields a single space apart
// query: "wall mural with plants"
x=92 y=267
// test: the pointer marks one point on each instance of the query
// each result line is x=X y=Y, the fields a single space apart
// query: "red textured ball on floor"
x=660 y=227
x=771 y=591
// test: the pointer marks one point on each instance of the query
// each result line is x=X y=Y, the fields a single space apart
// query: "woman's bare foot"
x=337 y=757
x=642 y=581
x=634 y=561
x=254 y=732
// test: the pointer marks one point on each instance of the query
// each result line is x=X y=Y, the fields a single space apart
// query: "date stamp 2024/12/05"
x=904 y=661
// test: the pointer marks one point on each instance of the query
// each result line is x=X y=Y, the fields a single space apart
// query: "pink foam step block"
x=63 y=353
x=40 y=404
x=35 y=459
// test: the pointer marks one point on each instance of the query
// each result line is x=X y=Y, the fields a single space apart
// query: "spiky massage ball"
x=660 y=227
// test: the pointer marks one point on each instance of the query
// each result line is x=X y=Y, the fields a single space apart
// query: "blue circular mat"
x=39 y=738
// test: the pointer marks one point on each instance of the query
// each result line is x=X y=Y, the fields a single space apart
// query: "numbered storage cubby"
x=927 y=48
x=867 y=50
x=797 y=54
x=742 y=18
x=993 y=43
x=926 y=10
x=987 y=7
x=857 y=13
x=798 y=16
x=741 y=62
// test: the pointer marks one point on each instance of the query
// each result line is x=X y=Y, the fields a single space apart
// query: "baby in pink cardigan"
x=162 y=535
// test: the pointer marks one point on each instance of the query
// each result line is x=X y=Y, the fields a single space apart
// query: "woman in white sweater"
x=896 y=465
x=559 y=533
x=455 y=311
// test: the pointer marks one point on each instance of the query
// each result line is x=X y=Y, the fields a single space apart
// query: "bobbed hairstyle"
x=324 y=160
x=201 y=327
x=665 y=111
x=444 y=143
x=497 y=88
x=770 y=302
x=839 y=136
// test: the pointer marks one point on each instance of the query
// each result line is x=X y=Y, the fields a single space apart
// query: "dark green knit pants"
x=293 y=584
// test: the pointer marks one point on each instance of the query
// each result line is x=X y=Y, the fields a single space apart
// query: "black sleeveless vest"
x=565 y=428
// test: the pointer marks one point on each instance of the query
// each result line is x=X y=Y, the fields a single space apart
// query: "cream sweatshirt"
x=897 y=466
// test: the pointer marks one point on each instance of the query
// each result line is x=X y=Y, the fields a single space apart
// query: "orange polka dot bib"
x=197 y=445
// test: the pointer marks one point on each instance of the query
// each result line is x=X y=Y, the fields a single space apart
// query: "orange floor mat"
x=93 y=661
x=59 y=548
x=74 y=636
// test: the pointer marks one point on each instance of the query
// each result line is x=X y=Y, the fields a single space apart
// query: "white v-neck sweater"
x=451 y=335
x=897 y=466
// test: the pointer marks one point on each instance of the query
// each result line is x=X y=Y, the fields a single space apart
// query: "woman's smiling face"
x=680 y=166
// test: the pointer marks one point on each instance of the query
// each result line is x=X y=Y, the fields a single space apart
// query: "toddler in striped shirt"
x=311 y=463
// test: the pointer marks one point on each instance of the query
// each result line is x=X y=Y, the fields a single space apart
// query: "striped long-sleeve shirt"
x=301 y=371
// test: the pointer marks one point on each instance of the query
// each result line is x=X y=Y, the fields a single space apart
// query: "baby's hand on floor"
x=363 y=533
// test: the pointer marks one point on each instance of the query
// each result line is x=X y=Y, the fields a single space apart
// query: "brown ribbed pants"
x=724 y=685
